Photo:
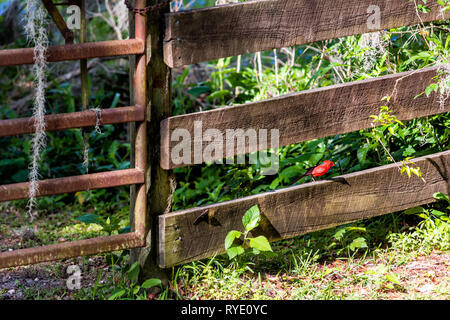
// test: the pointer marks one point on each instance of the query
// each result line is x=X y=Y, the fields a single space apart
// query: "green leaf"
x=358 y=243
x=437 y=213
x=251 y=218
x=432 y=87
x=339 y=234
x=218 y=95
x=125 y=230
x=391 y=130
x=197 y=91
x=231 y=236
x=151 y=283
x=289 y=172
x=409 y=151
x=393 y=278
x=133 y=273
x=408 y=171
x=423 y=216
x=260 y=243
x=362 y=154
x=441 y=196
x=234 y=251
x=414 y=210
x=423 y=9
x=274 y=183
x=116 y=294
x=136 y=290
x=362 y=229
x=90 y=218
x=115 y=101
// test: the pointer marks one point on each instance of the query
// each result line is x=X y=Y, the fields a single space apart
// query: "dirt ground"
x=423 y=277
x=426 y=277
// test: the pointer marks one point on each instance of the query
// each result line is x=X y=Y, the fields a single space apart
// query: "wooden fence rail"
x=252 y=26
x=306 y=115
x=301 y=209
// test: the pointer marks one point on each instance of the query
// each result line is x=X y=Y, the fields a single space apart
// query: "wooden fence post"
x=158 y=107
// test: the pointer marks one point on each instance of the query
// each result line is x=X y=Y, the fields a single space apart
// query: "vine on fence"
x=441 y=86
x=391 y=123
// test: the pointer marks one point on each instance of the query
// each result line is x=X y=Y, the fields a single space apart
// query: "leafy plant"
x=393 y=125
x=441 y=210
x=129 y=289
x=348 y=238
x=250 y=221
x=110 y=225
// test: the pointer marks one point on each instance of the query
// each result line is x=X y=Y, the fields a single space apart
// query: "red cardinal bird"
x=317 y=171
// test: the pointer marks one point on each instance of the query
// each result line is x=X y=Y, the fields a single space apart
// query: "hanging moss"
x=375 y=46
x=36 y=31
x=444 y=81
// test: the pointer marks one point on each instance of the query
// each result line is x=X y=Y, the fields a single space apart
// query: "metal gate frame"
x=136 y=113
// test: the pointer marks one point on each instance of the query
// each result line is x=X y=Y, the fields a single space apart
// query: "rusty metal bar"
x=112 y=48
x=83 y=62
x=140 y=96
x=63 y=121
x=69 y=250
x=56 y=186
x=59 y=21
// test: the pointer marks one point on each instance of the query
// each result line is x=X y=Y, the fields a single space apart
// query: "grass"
x=53 y=225
x=299 y=270
x=406 y=257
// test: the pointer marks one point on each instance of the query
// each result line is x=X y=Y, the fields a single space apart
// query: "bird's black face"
x=329 y=163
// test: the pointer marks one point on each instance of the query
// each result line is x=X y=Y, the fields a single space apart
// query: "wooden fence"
x=253 y=26
x=204 y=34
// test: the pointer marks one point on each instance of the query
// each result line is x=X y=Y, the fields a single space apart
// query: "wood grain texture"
x=305 y=115
x=154 y=82
x=301 y=209
x=229 y=30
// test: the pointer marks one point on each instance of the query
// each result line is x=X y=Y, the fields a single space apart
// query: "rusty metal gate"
x=134 y=176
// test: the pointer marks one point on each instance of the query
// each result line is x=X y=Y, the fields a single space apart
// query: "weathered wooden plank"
x=301 y=209
x=230 y=30
x=299 y=117
x=152 y=86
